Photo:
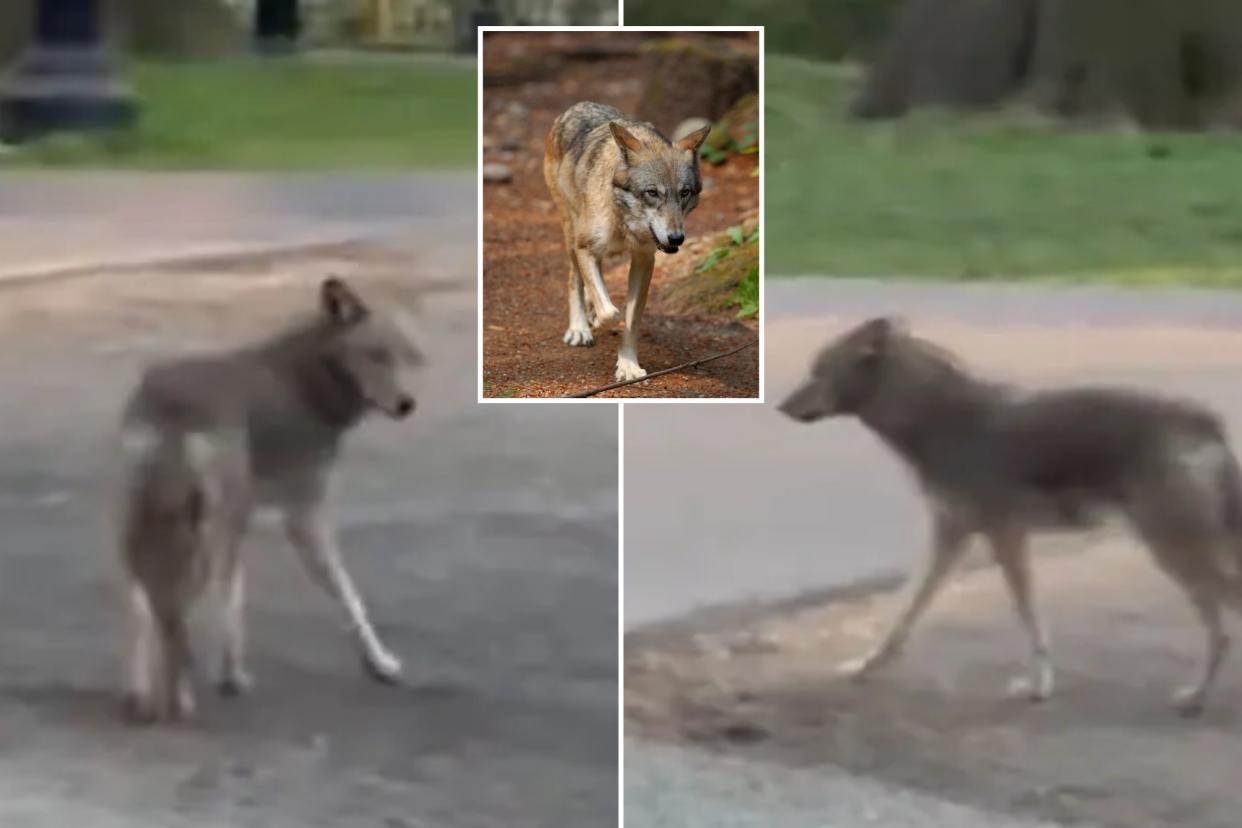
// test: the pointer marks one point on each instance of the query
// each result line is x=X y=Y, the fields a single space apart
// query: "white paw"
x=184 y=704
x=607 y=316
x=383 y=666
x=1032 y=688
x=628 y=369
x=579 y=337
x=1189 y=700
x=856 y=669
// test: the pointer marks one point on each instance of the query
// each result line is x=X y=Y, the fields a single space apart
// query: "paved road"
x=730 y=504
x=62 y=221
x=671 y=787
x=488 y=555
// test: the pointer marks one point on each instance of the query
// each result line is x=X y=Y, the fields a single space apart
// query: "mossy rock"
x=708 y=290
x=736 y=132
x=693 y=78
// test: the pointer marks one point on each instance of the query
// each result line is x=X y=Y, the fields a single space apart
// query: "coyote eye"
x=685 y=191
x=653 y=192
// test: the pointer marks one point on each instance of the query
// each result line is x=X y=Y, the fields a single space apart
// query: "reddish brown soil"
x=532 y=78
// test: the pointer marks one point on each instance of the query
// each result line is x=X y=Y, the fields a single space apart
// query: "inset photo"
x=620 y=213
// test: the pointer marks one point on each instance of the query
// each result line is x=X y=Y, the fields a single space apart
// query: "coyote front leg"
x=948 y=542
x=234 y=678
x=579 y=331
x=1009 y=546
x=316 y=545
x=588 y=266
x=642 y=264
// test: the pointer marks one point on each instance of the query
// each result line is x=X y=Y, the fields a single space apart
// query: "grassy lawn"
x=287 y=114
x=1002 y=196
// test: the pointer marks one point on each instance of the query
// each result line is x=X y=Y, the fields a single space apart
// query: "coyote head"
x=367 y=350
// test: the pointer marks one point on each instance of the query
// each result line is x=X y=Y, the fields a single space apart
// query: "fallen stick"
x=654 y=374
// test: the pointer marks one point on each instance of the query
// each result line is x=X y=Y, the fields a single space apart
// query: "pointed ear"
x=876 y=335
x=694 y=140
x=625 y=139
x=340 y=303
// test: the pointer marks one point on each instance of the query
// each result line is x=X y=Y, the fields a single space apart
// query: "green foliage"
x=299 y=113
x=721 y=144
x=826 y=29
x=1004 y=196
x=745 y=297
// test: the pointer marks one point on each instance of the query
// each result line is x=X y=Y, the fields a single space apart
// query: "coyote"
x=1002 y=462
x=620 y=186
x=208 y=439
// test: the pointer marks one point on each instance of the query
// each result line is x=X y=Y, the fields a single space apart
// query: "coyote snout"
x=620 y=186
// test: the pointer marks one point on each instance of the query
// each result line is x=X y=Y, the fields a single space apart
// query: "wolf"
x=208 y=440
x=1001 y=462
x=620 y=186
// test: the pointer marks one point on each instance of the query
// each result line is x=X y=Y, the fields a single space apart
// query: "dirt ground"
x=1106 y=750
x=530 y=79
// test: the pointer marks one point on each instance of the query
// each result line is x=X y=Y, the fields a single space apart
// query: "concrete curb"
x=203 y=254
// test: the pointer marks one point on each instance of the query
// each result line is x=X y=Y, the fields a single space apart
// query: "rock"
x=497 y=173
x=688 y=78
x=688 y=126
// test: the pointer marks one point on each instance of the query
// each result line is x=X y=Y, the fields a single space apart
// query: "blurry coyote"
x=1002 y=462
x=620 y=186
x=211 y=438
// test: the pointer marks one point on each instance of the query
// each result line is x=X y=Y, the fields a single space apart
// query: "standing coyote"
x=1002 y=462
x=209 y=439
x=620 y=186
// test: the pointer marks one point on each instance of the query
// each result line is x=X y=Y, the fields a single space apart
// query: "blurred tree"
x=1164 y=64
x=825 y=29
x=178 y=28
x=171 y=28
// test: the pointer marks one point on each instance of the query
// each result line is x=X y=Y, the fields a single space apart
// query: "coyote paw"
x=857 y=669
x=580 y=337
x=607 y=316
x=235 y=683
x=628 y=369
x=1189 y=700
x=146 y=709
x=383 y=666
x=1032 y=688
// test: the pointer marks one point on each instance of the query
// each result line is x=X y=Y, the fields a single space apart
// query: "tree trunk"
x=971 y=53
x=1164 y=64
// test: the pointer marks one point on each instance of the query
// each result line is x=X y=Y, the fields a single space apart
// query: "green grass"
x=300 y=113
x=1003 y=196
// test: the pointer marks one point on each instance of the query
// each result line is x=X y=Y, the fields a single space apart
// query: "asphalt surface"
x=488 y=553
x=673 y=787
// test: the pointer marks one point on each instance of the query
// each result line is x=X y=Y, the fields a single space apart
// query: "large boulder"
x=694 y=78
